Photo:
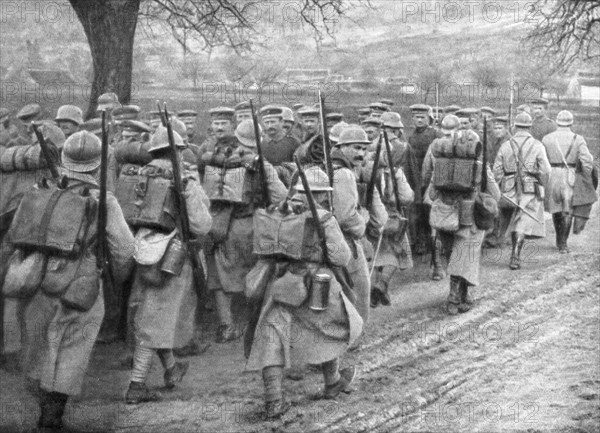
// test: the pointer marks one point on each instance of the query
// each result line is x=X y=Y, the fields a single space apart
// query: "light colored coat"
x=59 y=339
x=165 y=314
x=533 y=160
x=573 y=148
x=299 y=335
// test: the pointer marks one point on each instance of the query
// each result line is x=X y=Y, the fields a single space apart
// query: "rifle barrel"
x=46 y=152
x=261 y=160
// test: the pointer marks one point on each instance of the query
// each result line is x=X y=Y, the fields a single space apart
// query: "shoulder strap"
x=571 y=147
x=50 y=205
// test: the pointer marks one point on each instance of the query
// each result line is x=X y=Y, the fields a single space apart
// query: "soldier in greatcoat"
x=165 y=313
x=567 y=152
x=230 y=256
x=60 y=335
x=462 y=246
x=521 y=168
x=321 y=337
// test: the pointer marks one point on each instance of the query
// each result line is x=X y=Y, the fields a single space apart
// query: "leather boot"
x=567 y=220
x=558 y=222
x=466 y=302
x=436 y=259
x=52 y=408
x=517 y=246
x=454 y=297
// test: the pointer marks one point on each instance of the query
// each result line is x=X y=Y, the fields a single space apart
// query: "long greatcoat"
x=286 y=334
x=533 y=163
x=166 y=310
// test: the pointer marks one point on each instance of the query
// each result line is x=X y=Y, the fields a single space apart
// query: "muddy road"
x=525 y=358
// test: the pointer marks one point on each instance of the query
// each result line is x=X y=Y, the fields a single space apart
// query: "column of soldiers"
x=278 y=217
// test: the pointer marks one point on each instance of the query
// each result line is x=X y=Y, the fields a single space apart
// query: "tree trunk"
x=109 y=26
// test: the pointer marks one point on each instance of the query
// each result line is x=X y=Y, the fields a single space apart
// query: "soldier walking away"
x=66 y=307
x=163 y=282
x=459 y=222
x=567 y=153
x=521 y=168
x=302 y=295
x=542 y=125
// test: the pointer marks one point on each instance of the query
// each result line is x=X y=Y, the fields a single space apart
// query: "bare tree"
x=566 y=31
x=431 y=74
x=110 y=27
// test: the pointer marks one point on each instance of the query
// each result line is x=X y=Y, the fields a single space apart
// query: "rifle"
x=511 y=102
x=184 y=220
x=261 y=160
x=373 y=180
x=484 y=178
x=103 y=255
x=403 y=219
x=326 y=148
x=47 y=152
x=522 y=209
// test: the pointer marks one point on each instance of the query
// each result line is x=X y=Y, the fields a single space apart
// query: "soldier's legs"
x=567 y=221
x=436 y=258
x=381 y=286
x=557 y=220
x=517 y=245
x=275 y=406
x=359 y=272
x=454 y=296
x=138 y=392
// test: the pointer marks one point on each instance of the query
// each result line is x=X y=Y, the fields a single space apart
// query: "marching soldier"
x=242 y=112
x=462 y=241
x=566 y=152
x=542 y=125
x=119 y=114
x=68 y=118
x=332 y=119
x=62 y=325
x=278 y=147
x=325 y=330
x=166 y=297
x=222 y=127
x=372 y=126
x=522 y=168
x=189 y=117
x=290 y=127
x=501 y=135
x=420 y=139
x=233 y=202
x=347 y=157
x=311 y=149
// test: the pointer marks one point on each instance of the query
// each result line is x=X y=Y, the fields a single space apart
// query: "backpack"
x=456 y=165
x=147 y=197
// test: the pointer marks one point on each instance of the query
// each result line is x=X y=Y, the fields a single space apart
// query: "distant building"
x=585 y=86
x=40 y=77
x=307 y=75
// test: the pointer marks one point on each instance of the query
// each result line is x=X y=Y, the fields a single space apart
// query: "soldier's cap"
x=392 y=120
x=160 y=140
x=69 y=113
x=242 y=106
x=420 y=108
x=135 y=126
x=366 y=111
x=539 y=101
x=374 y=121
x=437 y=109
x=186 y=113
x=379 y=106
x=334 y=116
x=81 y=152
x=93 y=125
x=564 y=118
x=221 y=113
x=387 y=102
x=501 y=119
x=309 y=112
x=287 y=114
x=297 y=107
x=155 y=114
x=29 y=111
x=317 y=180
x=271 y=111
x=245 y=133
x=353 y=135
x=179 y=127
x=108 y=101
x=450 y=123
x=489 y=110
x=466 y=112
x=523 y=120
x=336 y=130
x=4 y=112
x=126 y=112
x=524 y=107
x=451 y=109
